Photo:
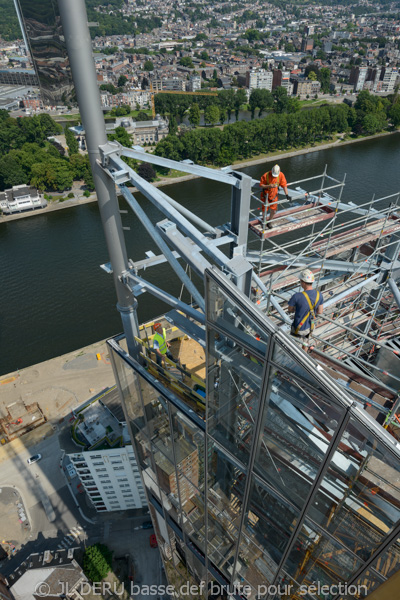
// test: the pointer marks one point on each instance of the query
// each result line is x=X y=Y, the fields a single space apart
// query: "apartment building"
x=259 y=79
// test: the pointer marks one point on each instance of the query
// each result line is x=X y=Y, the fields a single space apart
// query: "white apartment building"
x=286 y=83
x=387 y=80
x=111 y=478
x=259 y=80
x=104 y=459
x=195 y=83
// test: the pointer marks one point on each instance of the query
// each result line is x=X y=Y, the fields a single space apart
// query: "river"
x=54 y=298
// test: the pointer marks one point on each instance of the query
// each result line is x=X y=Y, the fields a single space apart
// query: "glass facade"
x=283 y=487
x=43 y=32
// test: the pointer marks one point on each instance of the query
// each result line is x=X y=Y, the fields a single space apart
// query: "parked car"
x=34 y=459
x=147 y=525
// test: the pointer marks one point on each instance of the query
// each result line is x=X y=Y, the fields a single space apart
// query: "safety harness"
x=310 y=312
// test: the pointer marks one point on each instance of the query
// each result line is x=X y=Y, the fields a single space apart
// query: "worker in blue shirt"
x=305 y=305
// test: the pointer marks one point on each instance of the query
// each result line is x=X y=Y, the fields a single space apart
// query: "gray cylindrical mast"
x=79 y=47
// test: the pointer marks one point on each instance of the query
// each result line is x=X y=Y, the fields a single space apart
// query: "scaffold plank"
x=292 y=219
x=356 y=237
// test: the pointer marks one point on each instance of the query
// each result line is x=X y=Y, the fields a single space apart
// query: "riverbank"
x=69 y=203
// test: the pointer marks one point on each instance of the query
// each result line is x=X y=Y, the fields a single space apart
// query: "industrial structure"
x=263 y=466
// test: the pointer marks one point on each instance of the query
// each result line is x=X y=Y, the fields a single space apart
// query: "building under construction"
x=263 y=465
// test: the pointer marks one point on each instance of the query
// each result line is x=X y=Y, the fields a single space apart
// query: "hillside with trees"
x=28 y=157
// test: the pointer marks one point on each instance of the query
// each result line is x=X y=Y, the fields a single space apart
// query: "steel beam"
x=133 y=281
x=153 y=194
x=79 y=46
x=191 y=216
x=214 y=174
x=240 y=208
x=156 y=237
x=187 y=250
x=350 y=290
x=332 y=265
x=395 y=290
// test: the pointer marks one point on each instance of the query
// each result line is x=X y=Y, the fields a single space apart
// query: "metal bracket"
x=107 y=150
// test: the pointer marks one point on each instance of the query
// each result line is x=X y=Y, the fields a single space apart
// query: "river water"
x=54 y=298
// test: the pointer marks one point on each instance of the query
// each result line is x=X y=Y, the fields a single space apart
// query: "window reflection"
x=298 y=425
x=389 y=562
x=42 y=26
x=234 y=383
x=268 y=525
x=359 y=499
x=316 y=557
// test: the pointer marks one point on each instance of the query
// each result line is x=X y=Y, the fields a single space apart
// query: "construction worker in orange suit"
x=270 y=183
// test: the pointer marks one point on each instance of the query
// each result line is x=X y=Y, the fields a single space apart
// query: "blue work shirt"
x=302 y=307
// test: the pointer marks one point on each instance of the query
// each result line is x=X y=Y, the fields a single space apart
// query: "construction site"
x=266 y=462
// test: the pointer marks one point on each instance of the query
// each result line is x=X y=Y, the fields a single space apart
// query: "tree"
x=148 y=65
x=324 y=77
x=394 y=114
x=186 y=61
x=204 y=55
x=142 y=116
x=122 y=136
x=145 y=83
x=211 y=114
x=146 y=171
x=11 y=172
x=280 y=99
x=97 y=562
x=240 y=98
x=194 y=115
x=72 y=142
x=200 y=37
x=122 y=81
x=312 y=76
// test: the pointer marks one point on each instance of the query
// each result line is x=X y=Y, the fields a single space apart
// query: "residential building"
x=363 y=78
x=18 y=77
x=106 y=463
x=195 y=83
x=386 y=81
x=56 y=572
x=259 y=80
x=305 y=87
x=20 y=198
x=307 y=44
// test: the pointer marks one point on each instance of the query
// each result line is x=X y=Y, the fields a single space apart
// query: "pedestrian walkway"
x=75 y=535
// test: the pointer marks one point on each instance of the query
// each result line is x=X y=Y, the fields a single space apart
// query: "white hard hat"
x=307 y=276
x=276 y=170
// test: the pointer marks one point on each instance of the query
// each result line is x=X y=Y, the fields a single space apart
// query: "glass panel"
x=46 y=41
x=188 y=438
x=317 y=558
x=389 y=562
x=237 y=324
x=268 y=525
x=364 y=586
x=358 y=500
x=285 y=359
x=298 y=426
x=226 y=483
x=131 y=392
x=234 y=381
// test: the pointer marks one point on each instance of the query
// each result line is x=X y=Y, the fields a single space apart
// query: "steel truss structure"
x=262 y=463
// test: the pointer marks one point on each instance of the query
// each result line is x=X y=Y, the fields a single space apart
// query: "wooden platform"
x=292 y=219
x=356 y=237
